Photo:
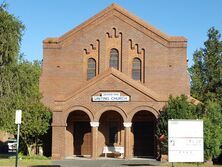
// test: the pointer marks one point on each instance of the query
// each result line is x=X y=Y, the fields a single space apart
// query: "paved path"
x=105 y=163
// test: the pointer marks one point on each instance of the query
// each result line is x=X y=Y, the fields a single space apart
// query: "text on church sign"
x=110 y=96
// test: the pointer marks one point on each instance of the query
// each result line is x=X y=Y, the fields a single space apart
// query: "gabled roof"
x=147 y=29
x=121 y=76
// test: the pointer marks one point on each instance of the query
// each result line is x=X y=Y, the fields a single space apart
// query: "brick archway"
x=110 y=130
x=78 y=137
x=142 y=108
x=78 y=108
x=110 y=108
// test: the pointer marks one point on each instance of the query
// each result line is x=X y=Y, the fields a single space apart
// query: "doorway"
x=144 y=134
x=82 y=138
x=79 y=141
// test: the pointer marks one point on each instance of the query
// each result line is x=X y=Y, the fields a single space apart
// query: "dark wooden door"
x=82 y=138
x=143 y=138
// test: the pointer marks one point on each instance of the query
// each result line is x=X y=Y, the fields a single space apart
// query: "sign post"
x=18 y=121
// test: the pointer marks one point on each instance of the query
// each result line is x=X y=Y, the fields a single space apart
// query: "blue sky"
x=52 y=18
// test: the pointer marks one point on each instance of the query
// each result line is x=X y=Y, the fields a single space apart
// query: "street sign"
x=18 y=117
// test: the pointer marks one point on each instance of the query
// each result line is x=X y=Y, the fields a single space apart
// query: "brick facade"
x=68 y=93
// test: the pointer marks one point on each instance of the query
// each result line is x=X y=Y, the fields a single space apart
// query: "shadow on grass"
x=138 y=165
x=7 y=155
x=45 y=166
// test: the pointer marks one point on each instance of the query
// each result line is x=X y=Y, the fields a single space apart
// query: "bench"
x=113 y=149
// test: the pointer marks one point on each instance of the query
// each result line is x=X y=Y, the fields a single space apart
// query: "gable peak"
x=114 y=5
x=149 y=29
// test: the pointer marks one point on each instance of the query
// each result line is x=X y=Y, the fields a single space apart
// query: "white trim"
x=127 y=124
x=94 y=124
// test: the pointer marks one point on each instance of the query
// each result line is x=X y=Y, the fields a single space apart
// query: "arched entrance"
x=79 y=138
x=111 y=130
x=143 y=129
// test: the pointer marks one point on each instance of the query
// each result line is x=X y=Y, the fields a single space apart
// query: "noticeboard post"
x=18 y=121
x=185 y=141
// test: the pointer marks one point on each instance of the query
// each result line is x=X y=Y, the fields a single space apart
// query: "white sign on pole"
x=185 y=141
x=18 y=117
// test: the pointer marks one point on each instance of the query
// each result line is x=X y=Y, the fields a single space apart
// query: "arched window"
x=114 y=59
x=136 y=69
x=91 y=70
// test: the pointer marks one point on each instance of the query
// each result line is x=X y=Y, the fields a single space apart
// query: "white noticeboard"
x=185 y=141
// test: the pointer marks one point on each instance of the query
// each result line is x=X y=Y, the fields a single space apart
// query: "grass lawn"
x=189 y=165
x=24 y=163
x=8 y=160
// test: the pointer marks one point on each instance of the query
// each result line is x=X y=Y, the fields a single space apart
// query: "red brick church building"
x=107 y=80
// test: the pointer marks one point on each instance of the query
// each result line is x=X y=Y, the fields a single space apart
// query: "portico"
x=84 y=138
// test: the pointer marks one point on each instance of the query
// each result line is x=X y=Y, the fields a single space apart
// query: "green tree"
x=25 y=95
x=19 y=84
x=212 y=130
x=206 y=85
x=176 y=108
x=206 y=73
x=11 y=30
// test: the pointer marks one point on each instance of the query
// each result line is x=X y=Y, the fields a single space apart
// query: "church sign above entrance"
x=110 y=96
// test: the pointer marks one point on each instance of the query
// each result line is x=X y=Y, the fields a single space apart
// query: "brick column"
x=94 y=126
x=58 y=141
x=127 y=148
